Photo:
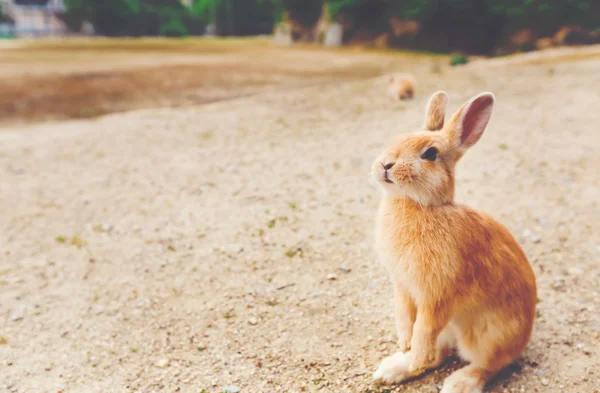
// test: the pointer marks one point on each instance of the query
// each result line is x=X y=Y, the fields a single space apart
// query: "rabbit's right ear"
x=436 y=111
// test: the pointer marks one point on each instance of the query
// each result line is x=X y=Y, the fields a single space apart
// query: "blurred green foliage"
x=477 y=26
x=306 y=12
x=458 y=60
x=244 y=17
x=134 y=17
x=3 y=17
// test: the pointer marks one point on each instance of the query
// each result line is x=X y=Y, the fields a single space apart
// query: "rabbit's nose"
x=388 y=166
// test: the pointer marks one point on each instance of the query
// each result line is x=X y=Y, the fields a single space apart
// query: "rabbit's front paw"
x=421 y=361
x=393 y=369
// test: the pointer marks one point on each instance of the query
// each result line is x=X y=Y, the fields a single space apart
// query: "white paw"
x=460 y=382
x=393 y=369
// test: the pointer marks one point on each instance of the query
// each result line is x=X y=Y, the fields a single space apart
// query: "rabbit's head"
x=420 y=166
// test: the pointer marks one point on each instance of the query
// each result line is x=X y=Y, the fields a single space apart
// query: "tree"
x=238 y=17
x=3 y=17
x=133 y=17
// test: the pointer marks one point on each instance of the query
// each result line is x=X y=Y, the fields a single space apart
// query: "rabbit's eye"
x=430 y=154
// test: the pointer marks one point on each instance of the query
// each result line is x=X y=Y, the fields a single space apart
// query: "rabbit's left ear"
x=469 y=122
x=436 y=111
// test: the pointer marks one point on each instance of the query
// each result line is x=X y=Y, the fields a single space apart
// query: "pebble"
x=231 y=389
x=344 y=268
x=162 y=363
x=558 y=283
x=19 y=314
x=545 y=382
x=252 y=321
x=527 y=233
x=331 y=277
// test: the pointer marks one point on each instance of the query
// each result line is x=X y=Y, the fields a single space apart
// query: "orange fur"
x=402 y=88
x=460 y=278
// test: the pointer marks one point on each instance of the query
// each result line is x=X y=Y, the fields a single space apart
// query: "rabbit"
x=460 y=279
x=401 y=87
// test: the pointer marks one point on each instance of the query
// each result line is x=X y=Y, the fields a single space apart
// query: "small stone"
x=558 y=283
x=201 y=347
x=545 y=382
x=344 y=268
x=331 y=277
x=526 y=233
x=536 y=239
x=162 y=363
x=231 y=389
x=252 y=321
x=539 y=373
x=19 y=314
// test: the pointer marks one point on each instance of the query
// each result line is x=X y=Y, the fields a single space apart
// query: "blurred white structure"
x=35 y=18
x=334 y=35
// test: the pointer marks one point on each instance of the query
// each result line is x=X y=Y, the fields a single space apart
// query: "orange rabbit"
x=460 y=279
x=401 y=87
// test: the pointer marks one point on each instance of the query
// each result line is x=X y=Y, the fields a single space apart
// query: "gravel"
x=142 y=246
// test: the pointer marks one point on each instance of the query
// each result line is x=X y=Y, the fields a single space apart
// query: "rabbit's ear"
x=436 y=111
x=469 y=122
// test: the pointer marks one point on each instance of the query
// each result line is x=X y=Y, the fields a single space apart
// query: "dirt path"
x=225 y=246
x=77 y=79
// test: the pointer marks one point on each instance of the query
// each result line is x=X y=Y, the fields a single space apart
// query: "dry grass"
x=82 y=78
x=84 y=95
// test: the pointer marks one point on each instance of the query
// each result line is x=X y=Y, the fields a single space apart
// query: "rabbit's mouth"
x=385 y=177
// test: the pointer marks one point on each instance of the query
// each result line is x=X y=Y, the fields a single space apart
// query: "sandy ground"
x=229 y=246
x=75 y=79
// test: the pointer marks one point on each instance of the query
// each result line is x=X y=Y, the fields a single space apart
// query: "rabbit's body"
x=401 y=87
x=460 y=279
x=450 y=273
